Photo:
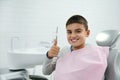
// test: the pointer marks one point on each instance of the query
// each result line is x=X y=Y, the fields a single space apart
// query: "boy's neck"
x=73 y=48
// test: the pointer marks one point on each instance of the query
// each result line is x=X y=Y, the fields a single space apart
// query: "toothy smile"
x=74 y=40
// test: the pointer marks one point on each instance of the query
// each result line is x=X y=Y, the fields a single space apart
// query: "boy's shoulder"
x=103 y=49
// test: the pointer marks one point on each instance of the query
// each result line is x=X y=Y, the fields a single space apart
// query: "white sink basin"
x=26 y=58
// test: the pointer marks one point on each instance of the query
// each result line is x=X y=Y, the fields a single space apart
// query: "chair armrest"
x=37 y=77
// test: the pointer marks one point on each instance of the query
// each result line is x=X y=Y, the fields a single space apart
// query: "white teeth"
x=73 y=40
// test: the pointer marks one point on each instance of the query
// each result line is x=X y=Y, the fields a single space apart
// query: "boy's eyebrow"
x=78 y=29
x=68 y=30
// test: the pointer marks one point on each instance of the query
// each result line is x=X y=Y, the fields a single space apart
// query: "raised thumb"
x=55 y=42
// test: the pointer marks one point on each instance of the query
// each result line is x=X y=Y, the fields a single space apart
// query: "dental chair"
x=110 y=38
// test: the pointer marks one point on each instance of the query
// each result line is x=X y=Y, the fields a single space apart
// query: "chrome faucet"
x=12 y=42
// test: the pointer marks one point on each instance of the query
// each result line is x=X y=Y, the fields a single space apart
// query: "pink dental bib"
x=88 y=63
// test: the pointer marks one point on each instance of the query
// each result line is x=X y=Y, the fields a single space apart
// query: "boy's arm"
x=49 y=65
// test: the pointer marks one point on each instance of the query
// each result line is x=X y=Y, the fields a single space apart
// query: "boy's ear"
x=87 y=33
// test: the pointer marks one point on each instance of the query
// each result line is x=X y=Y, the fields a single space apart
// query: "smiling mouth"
x=74 y=40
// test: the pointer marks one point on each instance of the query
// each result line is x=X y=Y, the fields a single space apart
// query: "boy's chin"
x=75 y=46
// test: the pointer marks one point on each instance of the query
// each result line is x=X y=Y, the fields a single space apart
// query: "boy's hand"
x=53 y=52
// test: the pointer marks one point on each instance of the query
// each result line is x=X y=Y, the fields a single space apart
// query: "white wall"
x=36 y=20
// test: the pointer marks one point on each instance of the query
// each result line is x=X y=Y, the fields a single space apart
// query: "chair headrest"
x=107 y=38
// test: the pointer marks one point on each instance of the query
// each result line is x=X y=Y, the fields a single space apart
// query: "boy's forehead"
x=75 y=26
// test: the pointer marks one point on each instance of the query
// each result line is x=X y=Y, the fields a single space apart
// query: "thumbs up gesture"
x=53 y=52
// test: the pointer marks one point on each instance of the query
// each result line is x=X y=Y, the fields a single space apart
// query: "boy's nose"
x=73 y=35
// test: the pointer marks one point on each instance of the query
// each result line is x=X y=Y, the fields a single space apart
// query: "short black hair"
x=77 y=19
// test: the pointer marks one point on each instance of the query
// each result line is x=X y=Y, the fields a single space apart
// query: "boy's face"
x=76 y=35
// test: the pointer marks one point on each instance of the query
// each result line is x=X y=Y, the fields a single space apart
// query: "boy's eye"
x=78 y=31
x=69 y=32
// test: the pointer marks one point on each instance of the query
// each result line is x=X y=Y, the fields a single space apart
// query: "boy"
x=78 y=62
